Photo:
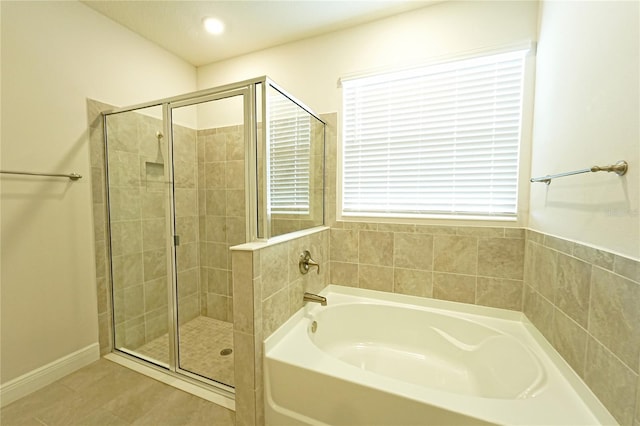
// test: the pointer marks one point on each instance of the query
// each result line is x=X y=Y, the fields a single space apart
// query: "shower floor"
x=201 y=341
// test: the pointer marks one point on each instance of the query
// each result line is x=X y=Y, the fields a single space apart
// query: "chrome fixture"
x=306 y=262
x=71 y=176
x=620 y=168
x=310 y=297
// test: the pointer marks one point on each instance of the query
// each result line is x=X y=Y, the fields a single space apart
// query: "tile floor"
x=107 y=394
x=201 y=341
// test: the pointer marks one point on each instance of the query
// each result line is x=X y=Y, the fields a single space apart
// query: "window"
x=438 y=140
x=289 y=156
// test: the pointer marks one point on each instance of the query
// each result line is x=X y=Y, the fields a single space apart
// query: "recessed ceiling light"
x=213 y=25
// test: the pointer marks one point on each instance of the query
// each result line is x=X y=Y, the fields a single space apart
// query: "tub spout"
x=310 y=297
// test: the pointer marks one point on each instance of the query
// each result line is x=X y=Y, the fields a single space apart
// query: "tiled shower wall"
x=221 y=204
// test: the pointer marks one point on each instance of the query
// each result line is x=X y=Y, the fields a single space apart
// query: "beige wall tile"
x=570 y=340
x=296 y=294
x=243 y=290
x=186 y=256
x=154 y=235
x=614 y=317
x=188 y=282
x=216 y=229
x=127 y=270
x=499 y=293
x=413 y=282
x=594 y=256
x=274 y=269
x=517 y=233
x=188 y=229
x=245 y=378
x=558 y=244
x=156 y=294
x=217 y=306
x=217 y=280
x=344 y=245
x=214 y=175
x=375 y=277
x=501 y=258
x=454 y=287
x=125 y=204
x=375 y=248
x=275 y=311
x=543 y=270
x=155 y=264
x=435 y=230
x=413 y=251
x=234 y=177
x=186 y=202
x=217 y=255
x=611 y=381
x=153 y=204
x=236 y=230
x=477 y=231
x=235 y=202
x=214 y=148
x=455 y=254
x=539 y=311
x=534 y=236
x=344 y=274
x=126 y=237
x=234 y=142
x=216 y=202
x=185 y=174
x=627 y=268
x=573 y=288
x=397 y=227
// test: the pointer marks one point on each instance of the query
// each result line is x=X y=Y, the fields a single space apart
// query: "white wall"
x=54 y=56
x=310 y=69
x=588 y=113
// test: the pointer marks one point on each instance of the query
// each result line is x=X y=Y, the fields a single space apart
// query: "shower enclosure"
x=187 y=178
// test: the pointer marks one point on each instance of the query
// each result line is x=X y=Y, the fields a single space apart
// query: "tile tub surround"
x=583 y=300
x=268 y=289
x=483 y=266
x=586 y=301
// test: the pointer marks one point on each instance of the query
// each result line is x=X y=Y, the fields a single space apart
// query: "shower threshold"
x=173 y=380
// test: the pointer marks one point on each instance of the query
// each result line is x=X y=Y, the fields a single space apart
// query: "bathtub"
x=373 y=358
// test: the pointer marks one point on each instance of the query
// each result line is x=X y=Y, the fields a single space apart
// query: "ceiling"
x=249 y=25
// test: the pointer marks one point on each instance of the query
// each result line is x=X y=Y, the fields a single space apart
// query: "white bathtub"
x=384 y=359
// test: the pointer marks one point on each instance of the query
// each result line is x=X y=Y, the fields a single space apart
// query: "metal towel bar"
x=620 y=168
x=71 y=176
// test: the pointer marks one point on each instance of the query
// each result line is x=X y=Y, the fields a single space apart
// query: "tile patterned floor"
x=201 y=341
x=107 y=394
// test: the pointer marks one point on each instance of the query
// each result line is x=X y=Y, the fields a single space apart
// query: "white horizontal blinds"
x=442 y=139
x=289 y=148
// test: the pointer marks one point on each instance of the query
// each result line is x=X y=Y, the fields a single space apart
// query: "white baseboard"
x=47 y=374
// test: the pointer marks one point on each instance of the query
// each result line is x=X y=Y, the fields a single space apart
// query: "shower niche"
x=186 y=179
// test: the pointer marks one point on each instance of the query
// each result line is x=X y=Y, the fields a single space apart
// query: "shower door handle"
x=176 y=240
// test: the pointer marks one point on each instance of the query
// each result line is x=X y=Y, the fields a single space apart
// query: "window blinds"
x=289 y=150
x=442 y=139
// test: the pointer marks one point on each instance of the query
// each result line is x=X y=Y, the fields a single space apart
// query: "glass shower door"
x=138 y=193
x=210 y=216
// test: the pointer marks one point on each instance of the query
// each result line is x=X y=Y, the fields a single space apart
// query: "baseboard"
x=47 y=374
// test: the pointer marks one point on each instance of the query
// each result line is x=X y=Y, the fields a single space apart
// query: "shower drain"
x=226 y=352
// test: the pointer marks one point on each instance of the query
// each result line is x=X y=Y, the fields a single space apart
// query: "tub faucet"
x=306 y=262
x=310 y=297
